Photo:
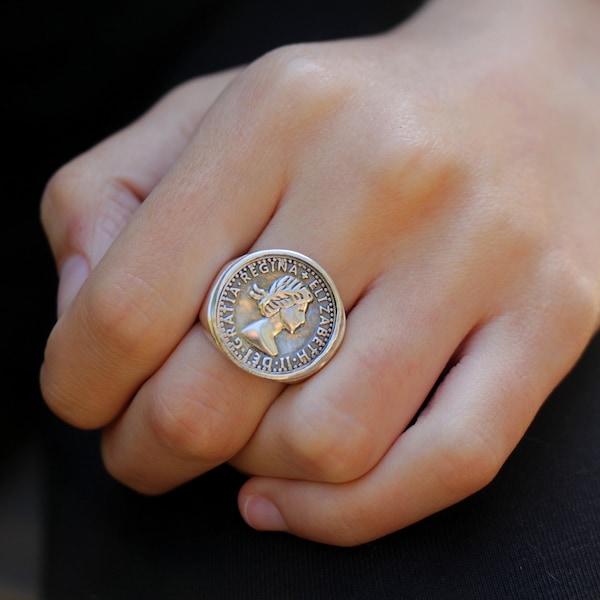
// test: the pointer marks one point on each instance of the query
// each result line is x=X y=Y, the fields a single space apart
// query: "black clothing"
x=533 y=534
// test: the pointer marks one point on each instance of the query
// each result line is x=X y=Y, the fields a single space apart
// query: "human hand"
x=443 y=174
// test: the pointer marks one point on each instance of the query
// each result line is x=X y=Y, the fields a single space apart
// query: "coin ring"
x=276 y=314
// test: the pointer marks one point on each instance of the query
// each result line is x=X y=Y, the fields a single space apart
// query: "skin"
x=464 y=143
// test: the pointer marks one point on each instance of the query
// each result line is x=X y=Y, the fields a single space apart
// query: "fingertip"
x=262 y=514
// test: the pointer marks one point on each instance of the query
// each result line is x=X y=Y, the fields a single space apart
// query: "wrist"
x=527 y=17
x=538 y=37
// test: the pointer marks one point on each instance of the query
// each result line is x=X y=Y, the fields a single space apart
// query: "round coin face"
x=276 y=314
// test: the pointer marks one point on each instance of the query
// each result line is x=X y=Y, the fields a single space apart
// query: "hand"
x=444 y=174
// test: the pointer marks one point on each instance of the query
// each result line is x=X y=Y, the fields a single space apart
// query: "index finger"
x=146 y=292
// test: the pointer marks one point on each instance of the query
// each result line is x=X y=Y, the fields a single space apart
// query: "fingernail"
x=262 y=514
x=74 y=272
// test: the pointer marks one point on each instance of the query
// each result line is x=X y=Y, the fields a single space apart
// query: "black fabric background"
x=77 y=72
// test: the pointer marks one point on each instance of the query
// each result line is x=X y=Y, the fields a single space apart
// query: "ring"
x=276 y=314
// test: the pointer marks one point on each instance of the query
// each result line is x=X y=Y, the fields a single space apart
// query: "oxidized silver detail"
x=276 y=314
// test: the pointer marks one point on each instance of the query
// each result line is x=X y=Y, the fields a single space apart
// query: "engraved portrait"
x=283 y=307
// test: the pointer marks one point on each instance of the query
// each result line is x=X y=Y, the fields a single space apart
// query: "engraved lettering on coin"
x=276 y=314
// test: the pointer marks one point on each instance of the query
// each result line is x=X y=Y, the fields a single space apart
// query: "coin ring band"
x=276 y=314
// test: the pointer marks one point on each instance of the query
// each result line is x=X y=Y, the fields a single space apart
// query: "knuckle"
x=119 y=466
x=576 y=295
x=341 y=437
x=331 y=447
x=125 y=467
x=60 y=193
x=61 y=385
x=66 y=202
x=124 y=314
x=469 y=461
x=569 y=297
x=195 y=426
x=68 y=410
x=299 y=84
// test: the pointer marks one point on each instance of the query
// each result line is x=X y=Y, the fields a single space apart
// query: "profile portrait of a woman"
x=283 y=307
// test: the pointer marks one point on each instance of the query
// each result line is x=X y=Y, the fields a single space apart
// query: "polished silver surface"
x=276 y=314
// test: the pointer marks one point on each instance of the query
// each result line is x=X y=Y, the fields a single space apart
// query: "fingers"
x=141 y=300
x=198 y=409
x=212 y=205
x=410 y=318
x=339 y=424
x=88 y=201
x=179 y=424
x=145 y=294
x=330 y=427
x=455 y=448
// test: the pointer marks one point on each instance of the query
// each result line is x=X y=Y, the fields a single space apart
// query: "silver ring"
x=276 y=314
